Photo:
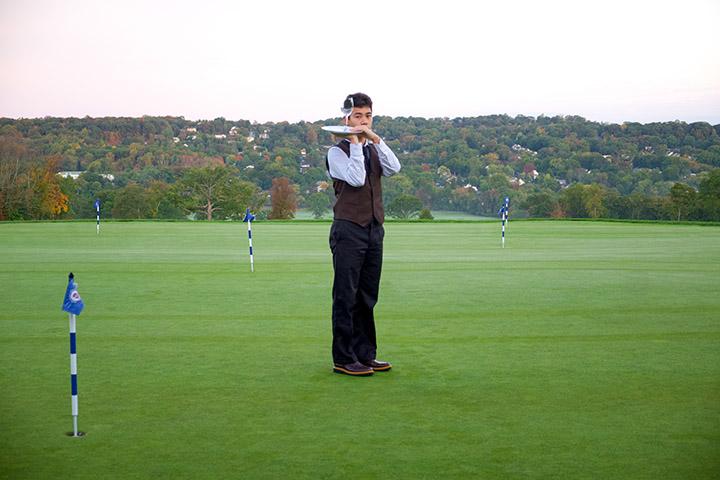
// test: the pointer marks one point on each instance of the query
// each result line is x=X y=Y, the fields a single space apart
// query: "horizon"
x=200 y=120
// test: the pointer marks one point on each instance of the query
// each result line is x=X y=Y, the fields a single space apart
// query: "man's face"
x=361 y=116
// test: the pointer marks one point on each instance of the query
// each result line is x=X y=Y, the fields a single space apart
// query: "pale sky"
x=271 y=60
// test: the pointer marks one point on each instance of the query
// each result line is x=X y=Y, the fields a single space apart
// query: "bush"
x=425 y=214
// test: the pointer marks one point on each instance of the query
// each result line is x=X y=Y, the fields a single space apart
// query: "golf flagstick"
x=249 y=217
x=73 y=304
x=73 y=375
x=504 y=210
x=97 y=209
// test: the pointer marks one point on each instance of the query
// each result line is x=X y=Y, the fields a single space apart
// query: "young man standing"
x=356 y=165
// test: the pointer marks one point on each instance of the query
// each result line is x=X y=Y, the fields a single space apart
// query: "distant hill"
x=458 y=164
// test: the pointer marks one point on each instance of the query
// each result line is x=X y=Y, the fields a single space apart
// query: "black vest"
x=360 y=204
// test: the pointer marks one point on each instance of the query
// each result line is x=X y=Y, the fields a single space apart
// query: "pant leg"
x=365 y=341
x=349 y=244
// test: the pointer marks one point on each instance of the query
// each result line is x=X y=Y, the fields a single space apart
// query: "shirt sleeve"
x=350 y=170
x=388 y=160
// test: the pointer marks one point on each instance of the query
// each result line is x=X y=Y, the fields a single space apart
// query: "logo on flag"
x=72 y=303
x=249 y=217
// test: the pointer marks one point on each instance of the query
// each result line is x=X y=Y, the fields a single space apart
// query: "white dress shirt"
x=352 y=170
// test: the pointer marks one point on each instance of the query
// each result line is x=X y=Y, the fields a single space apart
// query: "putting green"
x=581 y=350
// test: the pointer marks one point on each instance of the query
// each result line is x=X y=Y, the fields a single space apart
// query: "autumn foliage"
x=28 y=191
x=53 y=201
x=283 y=198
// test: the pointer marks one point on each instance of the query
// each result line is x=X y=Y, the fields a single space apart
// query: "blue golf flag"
x=72 y=303
x=97 y=204
x=249 y=217
x=504 y=209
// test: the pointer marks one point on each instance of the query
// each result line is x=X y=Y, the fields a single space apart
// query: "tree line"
x=170 y=167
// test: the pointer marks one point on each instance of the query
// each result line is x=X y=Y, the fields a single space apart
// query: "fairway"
x=581 y=350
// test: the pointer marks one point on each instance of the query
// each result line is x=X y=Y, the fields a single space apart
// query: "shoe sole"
x=382 y=369
x=354 y=374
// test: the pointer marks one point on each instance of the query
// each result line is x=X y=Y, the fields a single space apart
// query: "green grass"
x=581 y=350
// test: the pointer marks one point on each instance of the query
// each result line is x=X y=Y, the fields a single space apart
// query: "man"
x=356 y=165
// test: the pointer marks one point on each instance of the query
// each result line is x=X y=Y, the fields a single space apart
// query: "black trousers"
x=357 y=261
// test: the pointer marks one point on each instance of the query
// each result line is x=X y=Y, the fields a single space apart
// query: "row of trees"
x=204 y=193
x=218 y=193
x=596 y=201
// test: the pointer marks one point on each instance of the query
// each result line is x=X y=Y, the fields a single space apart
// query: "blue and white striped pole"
x=73 y=304
x=252 y=265
x=505 y=210
x=73 y=374
x=249 y=217
x=97 y=209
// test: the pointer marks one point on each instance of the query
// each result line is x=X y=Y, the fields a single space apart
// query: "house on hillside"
x=519 y=148
x=75 y=174
x=529 y=170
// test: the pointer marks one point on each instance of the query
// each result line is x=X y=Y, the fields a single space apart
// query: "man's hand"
x=365 y=131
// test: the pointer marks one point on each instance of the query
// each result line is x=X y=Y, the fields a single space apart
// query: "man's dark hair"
x=358 y=100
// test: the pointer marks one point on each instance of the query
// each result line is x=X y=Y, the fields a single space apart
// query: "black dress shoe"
x=356 y=369
x=378 y=365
